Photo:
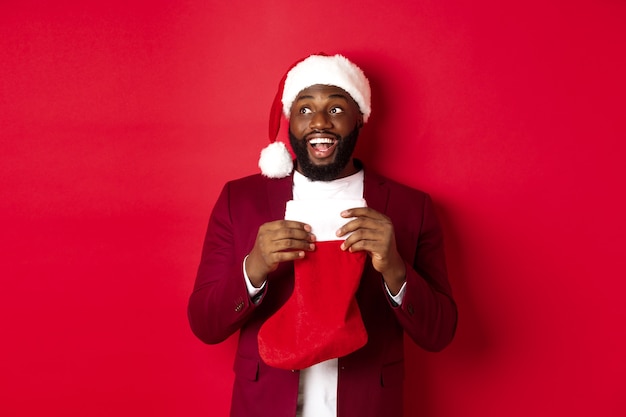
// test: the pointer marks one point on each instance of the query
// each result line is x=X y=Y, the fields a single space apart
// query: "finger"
x=278 y=257
x=292 y=224
x=373 y=240
x=362 y=212
x=291 y=234
x=283 y=245
x=287 y=224
x=280 y=231
x=358 y=224
x=356 y=243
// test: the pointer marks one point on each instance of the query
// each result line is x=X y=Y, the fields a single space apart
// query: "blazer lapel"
x=279 y=191
x=375 y=191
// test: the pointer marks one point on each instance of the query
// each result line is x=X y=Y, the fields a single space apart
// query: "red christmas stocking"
x=321 y=320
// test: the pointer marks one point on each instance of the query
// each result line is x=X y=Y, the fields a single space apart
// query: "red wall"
x=119 y=124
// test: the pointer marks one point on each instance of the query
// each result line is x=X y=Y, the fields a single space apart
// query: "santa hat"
x=336 y=70
x=321 y=320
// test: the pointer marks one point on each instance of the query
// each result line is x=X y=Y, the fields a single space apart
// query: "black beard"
x=327 y=172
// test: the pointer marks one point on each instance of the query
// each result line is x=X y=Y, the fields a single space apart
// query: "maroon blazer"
x=370 y=380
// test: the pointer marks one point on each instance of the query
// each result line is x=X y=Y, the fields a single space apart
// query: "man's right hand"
x=276 y=242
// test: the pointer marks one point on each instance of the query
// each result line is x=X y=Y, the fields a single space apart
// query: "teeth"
x=317 y=141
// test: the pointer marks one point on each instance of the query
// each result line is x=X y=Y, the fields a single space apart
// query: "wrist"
x=256 y=279
x=395 y=277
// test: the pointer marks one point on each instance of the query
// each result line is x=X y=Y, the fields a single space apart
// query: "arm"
x=428 y=312
x=220 y=302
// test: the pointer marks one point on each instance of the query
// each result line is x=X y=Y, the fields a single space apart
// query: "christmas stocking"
x=321 y=320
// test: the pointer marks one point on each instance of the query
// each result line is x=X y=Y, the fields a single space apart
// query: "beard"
x=326 y=172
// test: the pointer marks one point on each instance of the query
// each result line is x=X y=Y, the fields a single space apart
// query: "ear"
x=359 y=122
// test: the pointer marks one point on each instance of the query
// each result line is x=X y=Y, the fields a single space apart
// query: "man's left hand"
x=373 y=232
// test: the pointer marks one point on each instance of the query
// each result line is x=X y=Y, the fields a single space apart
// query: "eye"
x=305 y=110
x=336 y=110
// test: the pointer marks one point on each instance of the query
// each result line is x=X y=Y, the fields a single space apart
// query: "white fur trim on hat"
x=275 y=160
x=334 y=70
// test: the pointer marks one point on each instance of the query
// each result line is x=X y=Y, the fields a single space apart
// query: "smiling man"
x=322 y=267
x=323 y=130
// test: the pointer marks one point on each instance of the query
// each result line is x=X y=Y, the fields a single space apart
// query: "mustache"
x=322 y=132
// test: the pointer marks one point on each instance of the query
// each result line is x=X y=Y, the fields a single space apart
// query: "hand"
x=276 y=242
x=373 y=232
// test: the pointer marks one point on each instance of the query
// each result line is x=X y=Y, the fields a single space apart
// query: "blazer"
x=370 y=380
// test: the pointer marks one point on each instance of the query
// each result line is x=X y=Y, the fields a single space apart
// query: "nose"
x=320 y=121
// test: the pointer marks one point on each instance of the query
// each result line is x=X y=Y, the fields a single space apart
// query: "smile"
x=322 y=147
x=322 y=144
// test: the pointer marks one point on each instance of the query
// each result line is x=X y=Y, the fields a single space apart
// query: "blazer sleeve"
x=219 y=303
x=428 y=312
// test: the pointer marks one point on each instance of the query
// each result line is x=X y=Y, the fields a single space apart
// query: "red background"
x=120 y=122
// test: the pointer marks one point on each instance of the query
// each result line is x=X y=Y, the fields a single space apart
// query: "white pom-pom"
x=275 y=160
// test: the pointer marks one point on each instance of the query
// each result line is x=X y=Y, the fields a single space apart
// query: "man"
x=252 y=253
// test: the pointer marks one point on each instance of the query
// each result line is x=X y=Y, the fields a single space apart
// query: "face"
x=323 y=128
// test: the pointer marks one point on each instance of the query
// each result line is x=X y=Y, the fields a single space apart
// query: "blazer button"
x=410 y=309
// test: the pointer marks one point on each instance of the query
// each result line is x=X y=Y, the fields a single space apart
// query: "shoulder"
x=395 y=189
x=255 y=183
x=248 y=181
x=256 y=195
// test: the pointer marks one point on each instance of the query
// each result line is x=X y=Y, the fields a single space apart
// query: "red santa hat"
x=335 y=70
